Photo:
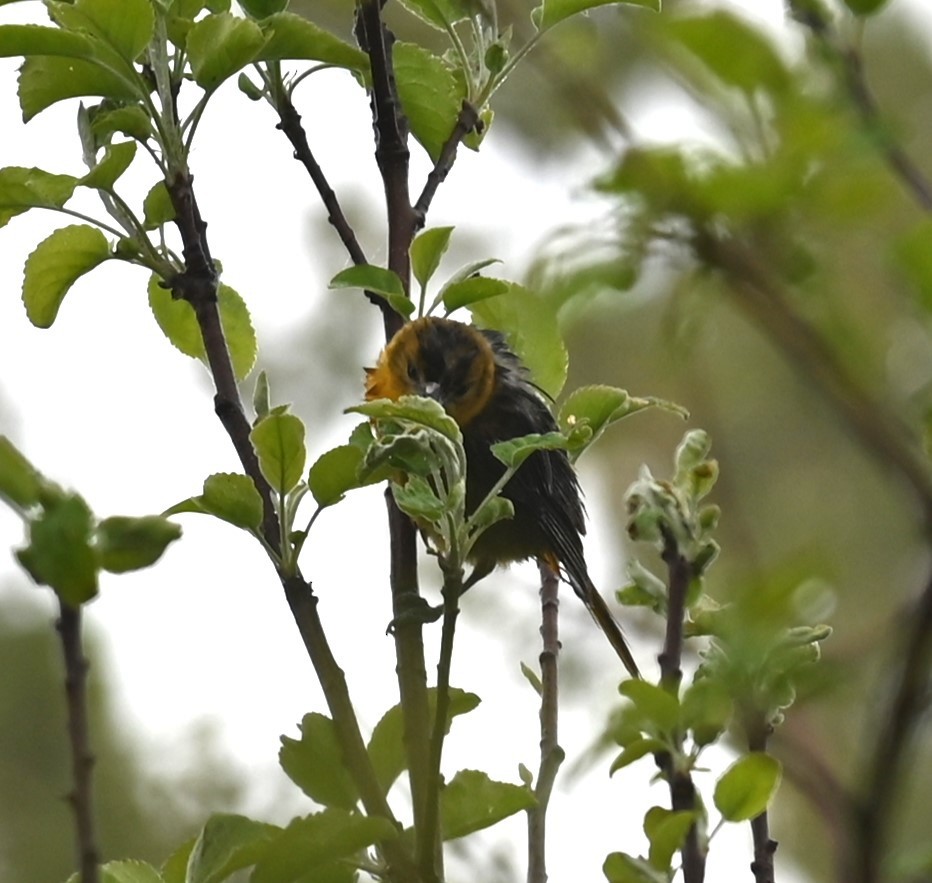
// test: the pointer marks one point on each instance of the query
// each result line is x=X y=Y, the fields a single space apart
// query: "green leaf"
x=45 y=80
x=747 y=786
x=26 y=40
x=56 y=264
x=157 y=207
x=334 y=473
x=733 y=50
x=417 y=499
x=370 y=278
x=530 y=325
x=279 y=443
x=416 y=409
x=706 y=710
x=552 y=12
x=913 y=253
x=232 y=498
x=220 y=45
x=175 y=868
x=441 y=14
x=125 y=543
x=635 y=750
x=237 y=330
x=472 y=801
x=865 y=7
x=116 y=161
x=20 y=481
x=386 y=745
x=431 y=96
x=178 y=322
x=655 y=705
x=315 y=763
x=666 y=830
x=470 y=291
x=22 y=189
x=59 y=553
x=291 y=36
x=226 y=844
x=125 y=871
x=126 y=26
x=176 y=319
x=315 y=840
x=131 y=121
x=428 y=248
x=515 y=451
x=621 y=868
x=262 y=8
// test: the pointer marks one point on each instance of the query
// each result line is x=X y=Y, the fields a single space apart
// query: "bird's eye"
x=412 y=371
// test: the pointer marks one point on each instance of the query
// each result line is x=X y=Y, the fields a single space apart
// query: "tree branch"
x=82 y=760
x=551 y=754
x=758 y=732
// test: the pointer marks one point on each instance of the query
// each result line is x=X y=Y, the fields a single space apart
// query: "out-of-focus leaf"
x=124 y=543
x=472 y=801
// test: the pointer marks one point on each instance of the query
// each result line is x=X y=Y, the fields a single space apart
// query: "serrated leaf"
x=334 y=473
x=386 y=745
x=20 y=481
x=220 y=45
x=157 y=207
x=428 y=248
x=55 y=265
x=431 y=95
x=472 y=801
x=279 y=443
x=417 y=409
x=226 y=844
x=125 y=871
x=22 y=189
x=124 y=543
x=315 y=840
x=655 y=705
x=417 y=499
x=116 y=161
x=126 y=26
x=175 y=868
x=315 y=763
x=233 y=498
x=237 y=330
x=746 y=787
x=515 y=451
x=470 y=291
x=530 y=325
x=370 y=278
x=59 y=553
x=26 y=40
x=293 y=37
x=45 y=80
x=666 y=831
x=552 y=12
x=441 y=14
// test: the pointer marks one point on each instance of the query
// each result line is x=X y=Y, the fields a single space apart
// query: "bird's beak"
x=432 y=391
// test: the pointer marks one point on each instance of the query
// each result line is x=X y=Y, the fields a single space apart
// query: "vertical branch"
x=82 y=761
x=764 y=848
x=551 y=754
x=682 y=790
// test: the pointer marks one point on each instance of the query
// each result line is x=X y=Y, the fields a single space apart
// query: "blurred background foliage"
x=771 y=271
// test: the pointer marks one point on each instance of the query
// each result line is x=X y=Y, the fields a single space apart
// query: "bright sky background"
x=206 y=635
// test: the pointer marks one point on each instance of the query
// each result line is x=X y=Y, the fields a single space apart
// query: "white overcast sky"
x=206 y=635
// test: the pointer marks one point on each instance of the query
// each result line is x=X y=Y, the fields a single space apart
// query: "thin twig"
x=551 y=754
x=682 y=789
x=466 y=121
x=82 y=761
x=758 y=732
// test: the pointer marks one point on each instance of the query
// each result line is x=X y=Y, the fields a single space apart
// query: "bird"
x=486 y=388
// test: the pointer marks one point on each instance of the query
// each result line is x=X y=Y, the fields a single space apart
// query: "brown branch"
x=758 y=732
x=682 y=790
x=82 y=760
x=551 y=754
x=466 y=121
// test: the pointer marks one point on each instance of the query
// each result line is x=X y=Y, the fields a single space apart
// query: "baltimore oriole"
x=488 y=391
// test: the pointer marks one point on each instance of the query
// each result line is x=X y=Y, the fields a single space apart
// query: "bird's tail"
x=583 y=586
